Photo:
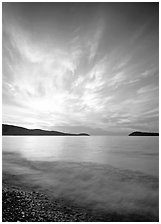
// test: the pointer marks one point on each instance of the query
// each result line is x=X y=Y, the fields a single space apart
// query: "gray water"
x=134 y=153
x=118 y=174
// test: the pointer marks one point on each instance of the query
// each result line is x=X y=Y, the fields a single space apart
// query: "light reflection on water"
x=134 y=153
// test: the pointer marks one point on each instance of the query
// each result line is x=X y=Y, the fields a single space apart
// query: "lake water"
x=109 y=173
x=134 y=153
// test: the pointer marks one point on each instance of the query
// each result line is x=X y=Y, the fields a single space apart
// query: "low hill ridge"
x=16 y=130
x=139 y=133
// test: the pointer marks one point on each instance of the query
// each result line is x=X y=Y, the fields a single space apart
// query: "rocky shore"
x=26 y=206
x=29 y=206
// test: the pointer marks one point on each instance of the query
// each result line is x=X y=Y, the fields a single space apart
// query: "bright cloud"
x=85 y=77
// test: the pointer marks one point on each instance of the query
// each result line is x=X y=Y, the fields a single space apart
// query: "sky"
x=81 y=67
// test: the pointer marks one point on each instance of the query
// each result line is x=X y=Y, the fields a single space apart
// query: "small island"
x=15 y=130
x=138 y=133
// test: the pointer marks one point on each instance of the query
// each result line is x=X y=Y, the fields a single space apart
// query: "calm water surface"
x=97 y=172
x=132 y=153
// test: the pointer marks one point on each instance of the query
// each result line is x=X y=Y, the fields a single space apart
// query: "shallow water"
x=114 y=174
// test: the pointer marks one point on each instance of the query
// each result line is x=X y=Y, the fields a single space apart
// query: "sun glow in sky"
x=81 y=66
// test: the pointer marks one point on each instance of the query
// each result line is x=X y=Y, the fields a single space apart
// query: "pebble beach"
x=29 y=206
x=26 y=206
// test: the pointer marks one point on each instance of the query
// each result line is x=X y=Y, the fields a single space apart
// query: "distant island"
x=138 y=133
x=15 y=130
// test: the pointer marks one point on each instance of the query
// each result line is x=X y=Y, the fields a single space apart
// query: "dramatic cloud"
x=80 y=65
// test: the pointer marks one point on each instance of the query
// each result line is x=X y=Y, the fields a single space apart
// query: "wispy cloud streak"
x=84 y=76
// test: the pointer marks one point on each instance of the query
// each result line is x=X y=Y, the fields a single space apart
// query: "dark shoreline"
x=25 y=205
x=30 y=206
